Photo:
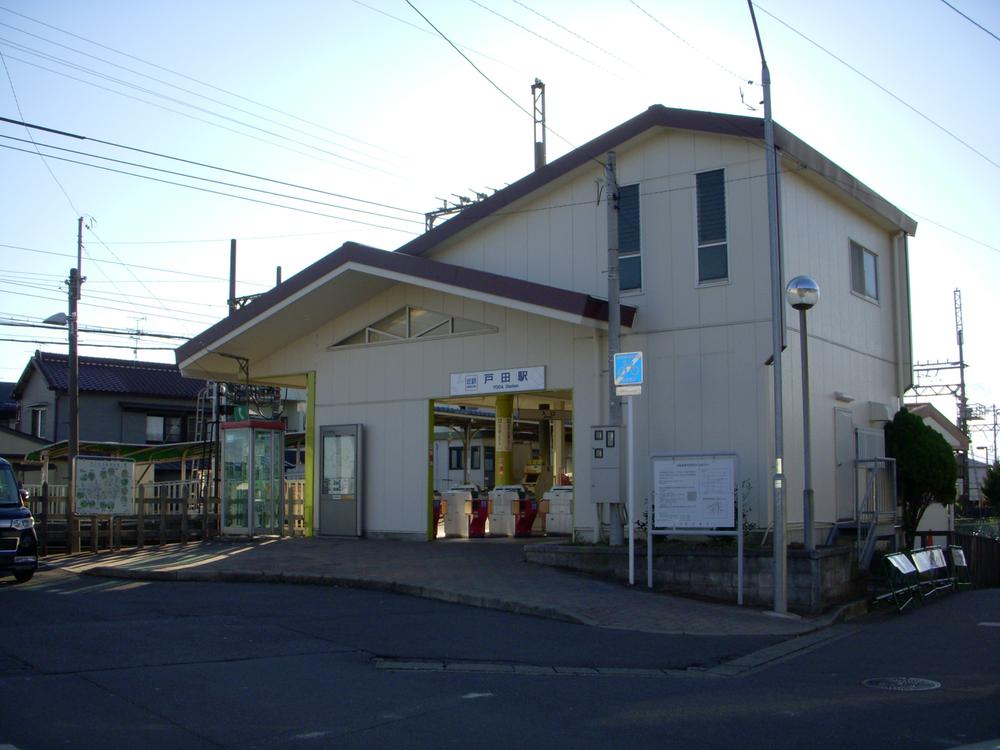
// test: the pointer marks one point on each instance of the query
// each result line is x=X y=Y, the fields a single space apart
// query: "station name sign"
x=507 y=380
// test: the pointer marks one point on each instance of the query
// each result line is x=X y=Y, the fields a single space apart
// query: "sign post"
x=628 y=383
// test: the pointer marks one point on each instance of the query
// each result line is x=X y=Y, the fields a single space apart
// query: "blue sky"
x=365 y=100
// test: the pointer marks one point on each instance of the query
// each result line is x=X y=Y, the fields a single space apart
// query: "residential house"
x=120 y=401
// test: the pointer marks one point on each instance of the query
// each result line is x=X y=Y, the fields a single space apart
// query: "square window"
x=154 y=429
x=713 y=263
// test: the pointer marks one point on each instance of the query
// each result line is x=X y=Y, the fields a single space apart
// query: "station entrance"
x=502 y=465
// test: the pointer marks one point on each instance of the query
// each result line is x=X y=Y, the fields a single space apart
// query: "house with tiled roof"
x=120 y=400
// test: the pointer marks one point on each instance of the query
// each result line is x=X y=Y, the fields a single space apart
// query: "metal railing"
x=876 y=506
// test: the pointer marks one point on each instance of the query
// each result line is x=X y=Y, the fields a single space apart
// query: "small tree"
x=925 y=468
x=991 y=485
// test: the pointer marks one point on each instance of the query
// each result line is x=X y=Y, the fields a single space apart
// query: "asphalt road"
x=94 y=663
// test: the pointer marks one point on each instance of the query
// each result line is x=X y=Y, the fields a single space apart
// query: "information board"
x=104 y=486
x=694 y=492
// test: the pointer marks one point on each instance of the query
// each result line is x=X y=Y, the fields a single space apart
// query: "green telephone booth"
x=253 y=461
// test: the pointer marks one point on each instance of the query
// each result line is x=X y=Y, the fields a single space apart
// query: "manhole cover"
x=902 y=684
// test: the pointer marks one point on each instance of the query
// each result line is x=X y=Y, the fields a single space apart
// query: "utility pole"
x=73 y=446
x=614 y=310
x=777 y=335
x=963 y=403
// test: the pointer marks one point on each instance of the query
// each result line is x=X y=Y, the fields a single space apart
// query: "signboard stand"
x=694 y=494
x=628 y=374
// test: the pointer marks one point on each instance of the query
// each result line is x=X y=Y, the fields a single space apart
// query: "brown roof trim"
x=528 y=292
x=665 y=117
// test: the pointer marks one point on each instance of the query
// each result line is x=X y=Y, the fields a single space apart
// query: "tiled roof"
x=100 y=375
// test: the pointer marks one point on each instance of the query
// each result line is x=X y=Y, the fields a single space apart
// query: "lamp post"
x=802 y=294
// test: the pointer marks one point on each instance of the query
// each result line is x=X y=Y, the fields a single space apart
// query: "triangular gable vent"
x=414 y=323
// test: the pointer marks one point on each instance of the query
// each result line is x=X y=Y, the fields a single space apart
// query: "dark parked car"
x=18 y=541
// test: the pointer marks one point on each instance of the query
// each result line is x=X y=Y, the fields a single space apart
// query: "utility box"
x=607 y=449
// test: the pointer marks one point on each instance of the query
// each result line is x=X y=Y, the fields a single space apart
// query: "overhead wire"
x=215 y=182
x=167 y=83
x=880 y=87
x=197 y=108
x=17 y=104
x=971 y=20
x=534 y=33
x=215 y=192
x=704 y=54
x=578 y=36
x=193 y=162
x=201 y=276
x=488 y=79
x=195 y=80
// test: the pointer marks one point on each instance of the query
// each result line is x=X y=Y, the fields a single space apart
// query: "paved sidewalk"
x=482 y=573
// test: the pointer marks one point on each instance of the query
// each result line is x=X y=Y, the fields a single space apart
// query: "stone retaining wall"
x=816 y=579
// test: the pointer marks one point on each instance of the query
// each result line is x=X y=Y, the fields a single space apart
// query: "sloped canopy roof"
x=345 y=278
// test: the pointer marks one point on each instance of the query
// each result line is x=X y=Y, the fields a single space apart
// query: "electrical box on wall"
x=607 y=448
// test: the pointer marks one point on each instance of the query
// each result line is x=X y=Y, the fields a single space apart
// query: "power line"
x=967 y=18
x=214 y=192
x=466 y=58
x=90 y=329
x=151 y=313
x=50 y=342
x=191 y=106
x=195 y=163
x=539 y=36
x=708 y=57
x=490 y=80
x=196 y=80
x=881 y=88
x=215 y=182
x=134 y=265
x=578 y=36
x=161 y=81
x=17 y=103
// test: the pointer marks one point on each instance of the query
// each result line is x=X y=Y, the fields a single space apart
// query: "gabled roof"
x=928 y=412
x=393 y=268
x=101 y=375
x=659 y=116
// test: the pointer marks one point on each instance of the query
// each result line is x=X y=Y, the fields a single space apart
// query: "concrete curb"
x=318 y=579
x=842 y=613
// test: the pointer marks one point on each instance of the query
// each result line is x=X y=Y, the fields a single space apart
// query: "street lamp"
x=802 y=294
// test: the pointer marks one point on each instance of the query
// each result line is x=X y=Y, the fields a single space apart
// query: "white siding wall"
x=708 y=388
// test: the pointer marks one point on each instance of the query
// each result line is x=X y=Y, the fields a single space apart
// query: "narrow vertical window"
x=456 y=458
x=629 y=250
x=864 y=271
x=713 y=251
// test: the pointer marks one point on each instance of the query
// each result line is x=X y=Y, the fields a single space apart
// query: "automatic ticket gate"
x=459 y=502
x=504 y=499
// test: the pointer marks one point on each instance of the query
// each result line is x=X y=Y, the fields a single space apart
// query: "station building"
x=503 y=309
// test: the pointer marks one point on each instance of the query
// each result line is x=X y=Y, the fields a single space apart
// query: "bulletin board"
x=694 y=494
